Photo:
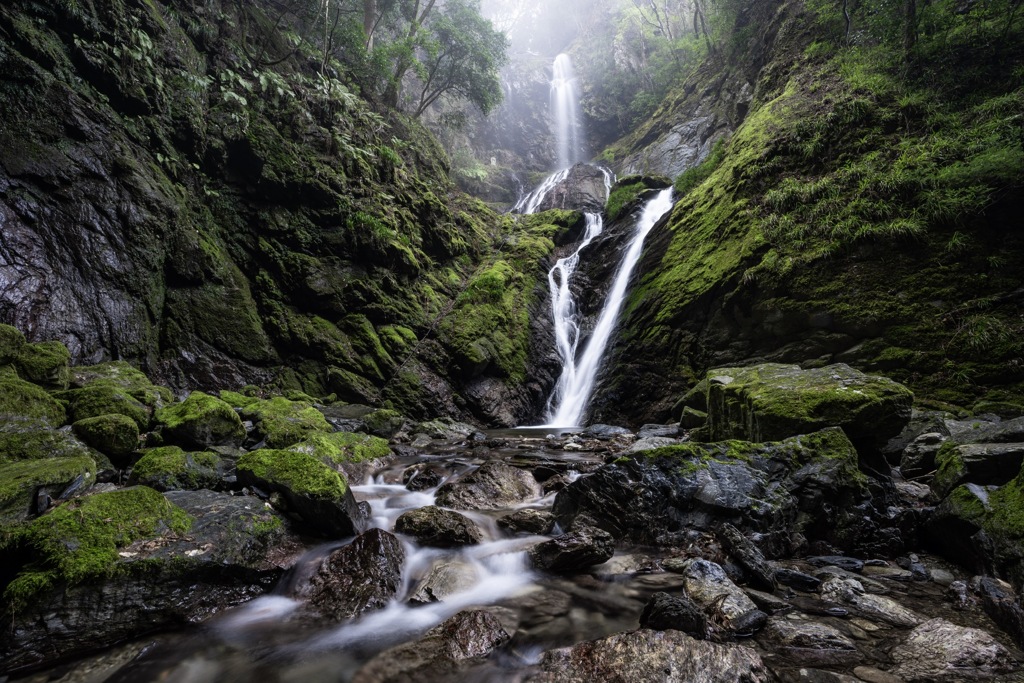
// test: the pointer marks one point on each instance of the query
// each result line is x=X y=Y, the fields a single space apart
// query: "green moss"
x=19 y=481
x=106 y=399
x=19 y=398
x=201 y=420
x=384 y=421
x=299 y=472
x=950 y=468
x=11 y=343
x=339 y=448
x=110 y=434
x=622 y=196
x=80 y=540
x=170 y=468
x=46 y=364
x=282 y=422
x=122 y=375
x=34 y=439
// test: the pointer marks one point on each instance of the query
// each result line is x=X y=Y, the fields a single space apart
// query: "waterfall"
x=565 y=105
x=569 y=401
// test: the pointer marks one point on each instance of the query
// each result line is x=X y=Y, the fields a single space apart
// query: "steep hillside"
x=862 y=210
x=183 y=187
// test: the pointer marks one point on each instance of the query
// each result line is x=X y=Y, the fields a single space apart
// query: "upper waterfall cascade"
x=565 y=100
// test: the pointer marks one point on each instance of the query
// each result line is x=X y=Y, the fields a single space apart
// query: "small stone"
x=581 y=548
x=438 y=528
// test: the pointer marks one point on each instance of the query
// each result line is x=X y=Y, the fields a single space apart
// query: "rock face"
x=152 y=576
x=364 y=575
x=667 y=656
x=771 y=401
x=808 y=484
x=583 y=189
x=493 y=485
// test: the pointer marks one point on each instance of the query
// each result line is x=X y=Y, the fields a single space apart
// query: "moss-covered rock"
x=106 y=399
x=338 y=448
x=773 y=401
x=384 y=423
x=201 y=420
x=318 y=494
x=982 y=464
x=21 y=481
x=35 y=439
x=169 y=468
x=11 y=343
x=80 y=540
x=281 y=422
x=124 y=376
x=19 y=398
x=47 y=364
x=114 y=435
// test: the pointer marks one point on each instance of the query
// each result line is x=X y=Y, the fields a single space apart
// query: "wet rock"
x=169 y=468
x=422 y=476
x=1002 y=604
x=438 y=528
x=450 y=647
x=677 y=612
x=606 y=432
x=528 y=521
x=200 y=421
x=1006 y=431
x=767 y=602
x=445 y=580
x=445 y=429
x=848 y=591
x=918 y=458
x=708 y=585
x=748 y=555
x=807 y=485
x=796 y=579
x=583 y=189
x=981 y=464
x=670 y=431
x=494 y=485
x=316 y=493
x=769 y=402
x=808 y=642
x=850 y=564
x=869 y=584
x=574 y=551
x=939 y=651
x=960 y=595
x=169 y=560
x=645 y=655
x=649 y=443
x=363 y=575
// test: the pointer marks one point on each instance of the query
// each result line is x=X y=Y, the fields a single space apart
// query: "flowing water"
x=565 y=107
x=575 y=386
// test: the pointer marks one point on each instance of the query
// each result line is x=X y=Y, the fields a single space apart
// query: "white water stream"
x=565 y=106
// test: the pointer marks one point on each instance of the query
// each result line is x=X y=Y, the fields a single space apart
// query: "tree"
x=462 y=57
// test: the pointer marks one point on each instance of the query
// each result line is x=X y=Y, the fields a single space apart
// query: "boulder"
x=575 y=551
x=938 y=651
x=457 y=644
x=201 y=420
x=12 y=341
x=808 y=485
x=492 y=486
x=444 y=580
x=677 y=612
x=111 y=567
x=27 y=486
x=707 y=584
x=809 y=642
x=760 y=573
x=114 y=435
x=280 y=423
x=34 y=439
x=645 y=655
x=771 y=401
x=363 y=575
x=169 y=469
x=355 y=455
x=21 y=399
x=100 y=399
x=528 y=521
x=46 y=364
x=422 y=476
x=850 y=591
x=1002 y=604
x=984 y=464
x=438 y=528
x=918 y=457
x=581 y=189
x=312 y=490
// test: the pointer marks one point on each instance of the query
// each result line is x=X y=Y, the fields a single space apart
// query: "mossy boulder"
x=47 y=364
x=808 y=485
x=35 y=439
x=315 y=492
x=114 y=435
x=384 y=423
x=983 y=464
x=201 y=420
x=772 y=401
x=124 y=376
x=282 y=423
x=19 y=398
x=106 y=399
x=21 y=481
x=238 y=400
x=11 y=343
x=108 y=567
x=354 y=455
x=81 y=540
x=169 y=468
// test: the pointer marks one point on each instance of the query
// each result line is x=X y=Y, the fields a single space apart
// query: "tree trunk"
x=909 y=28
